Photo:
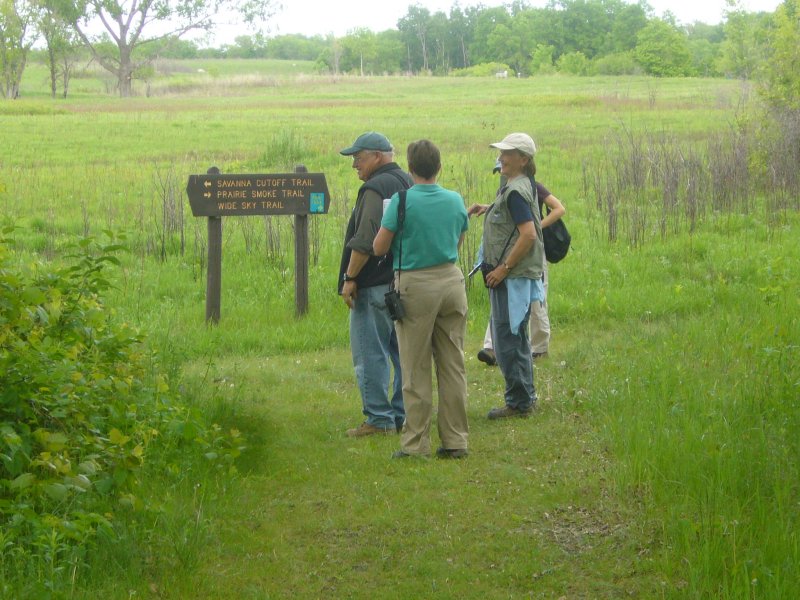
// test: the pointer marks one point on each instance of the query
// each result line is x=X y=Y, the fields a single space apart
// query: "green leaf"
x=116 y=437
x=104 y=485
x=33 y=295
x=56 y=442
x=79 y=482
x=23 y=481
x=189 y=431
x=57 y=491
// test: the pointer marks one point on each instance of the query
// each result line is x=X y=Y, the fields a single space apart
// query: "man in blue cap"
x=363 y=281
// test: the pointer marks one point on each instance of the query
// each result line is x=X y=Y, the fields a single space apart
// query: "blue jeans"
x=513 y=352
x=373 y=343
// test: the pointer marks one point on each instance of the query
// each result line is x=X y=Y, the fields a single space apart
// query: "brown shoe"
x=486 y=355
x=506 y=412
x=366 y=429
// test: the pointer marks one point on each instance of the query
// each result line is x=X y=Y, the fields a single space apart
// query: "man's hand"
x=349 y=293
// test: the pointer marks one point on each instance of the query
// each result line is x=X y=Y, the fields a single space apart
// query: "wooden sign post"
x=214 y=195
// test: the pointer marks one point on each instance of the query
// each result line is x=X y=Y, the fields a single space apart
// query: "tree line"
x=580 y=37
x=573 y=36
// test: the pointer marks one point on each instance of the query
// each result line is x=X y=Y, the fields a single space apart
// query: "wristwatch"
x=347 y=277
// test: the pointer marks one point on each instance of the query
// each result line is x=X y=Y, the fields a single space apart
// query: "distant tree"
x=461 y=31
x=330 y=57
x=543 y=24
x=705 y=42
x=486 y=21
x=663 y=51
x=782 y=71
x=701 y=31
x=745 y=44
x=513 y=44
x=246 y=46
x=17 y=35
x=627 y=22
x=704 y=57
x=390 y=52
x=176 y=48
x=542 y=60
x=63 y=49
x=440 y=40
x=131 y=25
x=583 y=25
x=415 y=27
x=359 y=52
x=295 y=47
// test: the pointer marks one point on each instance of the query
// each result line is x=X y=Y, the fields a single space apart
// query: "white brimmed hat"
x=517 y=141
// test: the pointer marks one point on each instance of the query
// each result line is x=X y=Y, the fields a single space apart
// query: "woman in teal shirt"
x=425 y=253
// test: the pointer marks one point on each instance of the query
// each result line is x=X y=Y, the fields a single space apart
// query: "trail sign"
x=216 y=195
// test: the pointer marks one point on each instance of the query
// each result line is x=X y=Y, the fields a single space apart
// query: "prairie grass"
x=663 y=461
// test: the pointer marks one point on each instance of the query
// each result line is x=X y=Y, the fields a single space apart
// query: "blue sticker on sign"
x=317 y=202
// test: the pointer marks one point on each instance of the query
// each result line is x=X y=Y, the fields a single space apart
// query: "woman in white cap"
x=539 y=321
x=513 y=264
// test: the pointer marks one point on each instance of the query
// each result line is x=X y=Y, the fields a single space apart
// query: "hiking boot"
x=451 y=453
x=506 y=412
x=366 y=429
x=402 y=454
x=486 y=355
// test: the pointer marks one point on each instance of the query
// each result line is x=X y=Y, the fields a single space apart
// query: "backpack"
x=555 y=237
x=556 y=240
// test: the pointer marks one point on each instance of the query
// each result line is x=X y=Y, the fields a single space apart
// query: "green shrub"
x=621 y=63
x=574 y=63
x=86 y=416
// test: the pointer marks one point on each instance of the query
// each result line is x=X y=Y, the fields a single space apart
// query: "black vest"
x=385 y=181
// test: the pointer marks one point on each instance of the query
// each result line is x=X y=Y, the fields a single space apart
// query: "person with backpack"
x=539 y=319
x=512 y=264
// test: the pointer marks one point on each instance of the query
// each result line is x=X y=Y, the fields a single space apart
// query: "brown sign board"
x=272 y=194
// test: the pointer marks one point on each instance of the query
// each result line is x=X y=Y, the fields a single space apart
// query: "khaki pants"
x=433 y=329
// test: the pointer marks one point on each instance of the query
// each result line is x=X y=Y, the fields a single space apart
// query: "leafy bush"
x=86 y=416
x=622 y=63
x=574 y=63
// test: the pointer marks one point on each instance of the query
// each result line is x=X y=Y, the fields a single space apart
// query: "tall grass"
x=664 y=460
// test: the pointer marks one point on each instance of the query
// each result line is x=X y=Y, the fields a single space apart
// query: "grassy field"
x=663 y=462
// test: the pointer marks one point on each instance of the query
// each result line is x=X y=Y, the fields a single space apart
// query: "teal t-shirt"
x=435 y=220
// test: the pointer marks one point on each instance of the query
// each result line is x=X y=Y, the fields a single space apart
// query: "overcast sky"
x=313 y=17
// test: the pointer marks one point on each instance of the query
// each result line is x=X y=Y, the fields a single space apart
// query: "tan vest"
x=498 y=227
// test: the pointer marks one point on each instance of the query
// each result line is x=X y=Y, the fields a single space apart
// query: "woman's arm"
x=382 y=242
x=557 y=210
